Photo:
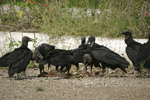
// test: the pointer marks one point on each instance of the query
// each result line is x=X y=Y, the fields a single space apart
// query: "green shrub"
x=53 y=17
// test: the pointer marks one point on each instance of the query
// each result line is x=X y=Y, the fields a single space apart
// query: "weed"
x=39 y=89
x=73 y=77
x=41 y=81
x=13 y=43
x=142 y=70
x=73 y=68
x=81 y=17
x=32 y=65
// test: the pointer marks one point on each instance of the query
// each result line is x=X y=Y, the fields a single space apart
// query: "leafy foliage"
x=80 y=17
x=14 y=44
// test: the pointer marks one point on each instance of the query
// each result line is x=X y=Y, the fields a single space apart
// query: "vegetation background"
x=53 y=17
x=103 y=18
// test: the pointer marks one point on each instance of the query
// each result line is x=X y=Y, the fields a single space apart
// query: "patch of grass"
x=119 y=71
x=41 y=81
x=143 y=71
x=39 y=89
x=73 y=68
x=3 y=67
x=73 y=77
x=32 y=65
x=56 y=18
x=20 y=74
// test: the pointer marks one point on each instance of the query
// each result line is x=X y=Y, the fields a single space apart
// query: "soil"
x=49 y=86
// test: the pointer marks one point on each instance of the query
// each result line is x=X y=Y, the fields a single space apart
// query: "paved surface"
x=87 y=88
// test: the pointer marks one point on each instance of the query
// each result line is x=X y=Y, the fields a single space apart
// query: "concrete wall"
x=64 y=42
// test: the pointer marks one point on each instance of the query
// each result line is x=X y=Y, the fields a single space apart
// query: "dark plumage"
x=19 y=58
x=4 y=60
x=132 y=48
x=59 y=57
x=105 y=56
x=80 y=52
x=143 y=57
x=87 y=60
x=41 y=52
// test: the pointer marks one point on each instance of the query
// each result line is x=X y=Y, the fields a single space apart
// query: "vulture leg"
x=48 y=66
x=61 y=71
x=85 y=67
x=57 y=68
x=18 y=77
x=91 y=68
x=106 y=73
x=24 y=73
x=77 y=65
x=41 y=67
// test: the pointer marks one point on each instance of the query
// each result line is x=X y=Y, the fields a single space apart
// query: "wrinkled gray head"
x=25 y=40
x=127 y=34
x=87 y=59
x=83 y=40
x=91 y=40
x=37 y=55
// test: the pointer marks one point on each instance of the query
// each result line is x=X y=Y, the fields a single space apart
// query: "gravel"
x=87 y=88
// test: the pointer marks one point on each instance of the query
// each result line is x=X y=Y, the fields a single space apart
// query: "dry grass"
x=55 y=19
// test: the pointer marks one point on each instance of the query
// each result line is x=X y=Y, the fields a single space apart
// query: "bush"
x=105 y=18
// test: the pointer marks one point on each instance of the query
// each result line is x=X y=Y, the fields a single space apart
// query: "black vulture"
x=45 y=50
x=40 y=52
x=87 y=60
x=79 y=53
x=59 y=57
x=106 y=57
x=4 y=60
x=143 y=57
x=19 y=58
x=132 y=48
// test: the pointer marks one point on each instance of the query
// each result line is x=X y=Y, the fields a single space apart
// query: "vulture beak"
x=31 y=39
x=87 y=42
x=123 y=32
x=91 y=40
x=40 y=56
x=85 y=65
x=36 y=55
x=92 y=43
x=126 y=31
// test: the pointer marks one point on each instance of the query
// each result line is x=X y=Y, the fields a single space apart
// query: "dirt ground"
x=80 y=87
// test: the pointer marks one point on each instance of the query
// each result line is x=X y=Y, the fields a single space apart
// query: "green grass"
x=41 y=81
x=32 y=65
x=39 y=89
x=73 y=77
x=115 y=17
x=142 y=70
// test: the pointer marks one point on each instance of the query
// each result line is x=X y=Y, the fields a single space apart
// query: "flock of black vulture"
x=89 y=53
